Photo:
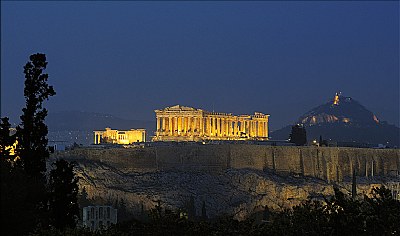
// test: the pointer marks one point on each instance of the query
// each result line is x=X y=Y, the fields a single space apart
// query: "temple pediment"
x=180 y=108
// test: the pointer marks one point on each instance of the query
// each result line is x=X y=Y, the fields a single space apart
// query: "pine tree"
x=83 y=199
x=298 y=135
x=17 y=213
x=204 y=211
x=24 y=181
x=31 y=134
x=191 y=208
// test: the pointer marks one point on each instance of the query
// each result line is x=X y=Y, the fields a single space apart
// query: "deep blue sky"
x=129 y=58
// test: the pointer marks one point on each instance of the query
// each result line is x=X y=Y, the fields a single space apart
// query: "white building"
x=56 y=145
x=97 y=217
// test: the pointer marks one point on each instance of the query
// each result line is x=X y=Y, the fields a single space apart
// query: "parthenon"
x=181 y=123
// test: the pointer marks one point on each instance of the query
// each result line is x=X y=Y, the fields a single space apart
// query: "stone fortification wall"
x=328 y=163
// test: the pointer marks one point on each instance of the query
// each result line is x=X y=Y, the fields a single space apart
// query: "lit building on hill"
x=180 y=123
x=99 y=217
x=114 y=136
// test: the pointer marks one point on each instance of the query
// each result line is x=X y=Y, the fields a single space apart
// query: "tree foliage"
x=63 y=195
x=19 y=199
x=298 y=135
x=32 y=141
x=24 y=189
x=338 y=215
x=23 y=183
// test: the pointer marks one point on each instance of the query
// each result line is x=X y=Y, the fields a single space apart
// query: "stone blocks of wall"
x=327 y=163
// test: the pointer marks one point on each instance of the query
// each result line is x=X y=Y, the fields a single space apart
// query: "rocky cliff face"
x=227 y=180
x=235 y=192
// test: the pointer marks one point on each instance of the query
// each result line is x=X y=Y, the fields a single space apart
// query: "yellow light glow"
x=346 y=120
x=336 y=99
x=12 y=149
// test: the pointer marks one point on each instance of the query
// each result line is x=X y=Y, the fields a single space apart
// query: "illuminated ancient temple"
x=119 y=136
x=180 y=123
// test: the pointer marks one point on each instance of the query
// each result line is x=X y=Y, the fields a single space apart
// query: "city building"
x=97 y=217
x=56 y=145
x=181 y=123
x=119 y=136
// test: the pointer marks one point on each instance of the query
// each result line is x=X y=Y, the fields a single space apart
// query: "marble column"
x=251 y=128
x=176 y=126
x=187 y=125
x=213 y=126
x=263 y=128
x=158 y=124
x=216 y=126
x=184 y=126
x=178 y=123
x=209 y=126
x=170 y=128
x=229 y=125
x=163 y=124
x=194 y=124
x=226 y=127
x=201 y=125
x=223 y=126
x=218 y=130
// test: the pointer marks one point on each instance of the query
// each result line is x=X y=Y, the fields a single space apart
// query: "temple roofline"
x=187 y=108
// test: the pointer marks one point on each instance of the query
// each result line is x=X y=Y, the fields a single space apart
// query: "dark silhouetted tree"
x=191 y=208
x=266 y=213
x=63 y=195
x=383 y=213
x=83 y=199
x=19 y=200
x=31 y=134
x=298 y=135
x=204 y=211
x=23 y=183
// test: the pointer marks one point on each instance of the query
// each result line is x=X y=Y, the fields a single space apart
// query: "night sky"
x=129 y=58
